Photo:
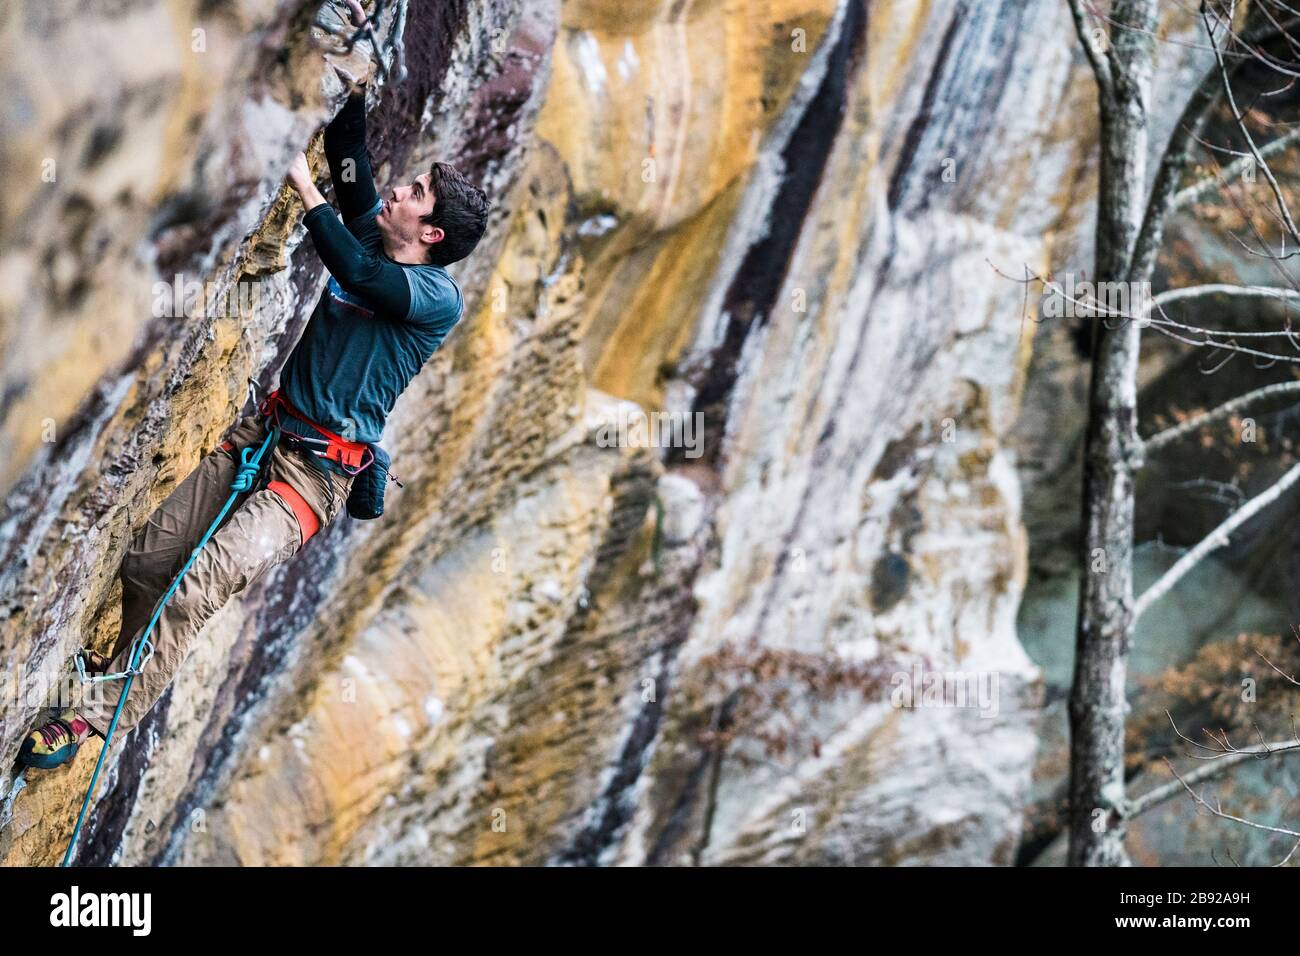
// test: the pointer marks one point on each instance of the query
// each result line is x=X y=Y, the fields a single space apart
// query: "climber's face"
x=400 y=216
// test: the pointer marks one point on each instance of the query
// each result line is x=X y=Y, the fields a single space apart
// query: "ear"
x=432 y=234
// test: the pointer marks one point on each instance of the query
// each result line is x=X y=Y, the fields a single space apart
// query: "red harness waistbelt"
x=353 y=456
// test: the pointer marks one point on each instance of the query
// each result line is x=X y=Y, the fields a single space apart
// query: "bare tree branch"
x=1232 y=171
x=1173 y=164
x=1221 y=288
x=1096 y=56
x=1207 y=771
x=1223 y=757
x=1226 y=410
x=1214 y=540
x=1282 y=208
x=1229 y=346
x=1286 y=859
x=1219 y=812
x=1226 y=341
x=1165 y=195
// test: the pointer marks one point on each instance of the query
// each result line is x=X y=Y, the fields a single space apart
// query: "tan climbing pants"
x=261 y=531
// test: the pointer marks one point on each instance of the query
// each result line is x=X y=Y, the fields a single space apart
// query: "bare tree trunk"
x=1129 y=236
x=1111 y=452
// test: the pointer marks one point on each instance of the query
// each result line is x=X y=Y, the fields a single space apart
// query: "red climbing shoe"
x=54 y=743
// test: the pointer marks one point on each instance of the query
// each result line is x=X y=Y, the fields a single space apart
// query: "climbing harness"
x=250 y=465
x=353 y=457
x=366 y=462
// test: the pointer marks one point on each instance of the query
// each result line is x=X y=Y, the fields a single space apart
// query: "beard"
x=395 y=235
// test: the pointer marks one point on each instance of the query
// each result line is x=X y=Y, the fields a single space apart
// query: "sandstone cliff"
x=781 y=214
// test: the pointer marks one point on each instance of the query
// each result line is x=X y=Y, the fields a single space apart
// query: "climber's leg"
x=157 y=553
x=162 y=546
x=264 y=531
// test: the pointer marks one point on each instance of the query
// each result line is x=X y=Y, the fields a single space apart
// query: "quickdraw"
x=367 y=31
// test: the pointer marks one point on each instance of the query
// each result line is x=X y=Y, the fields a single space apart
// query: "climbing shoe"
x=55 y=742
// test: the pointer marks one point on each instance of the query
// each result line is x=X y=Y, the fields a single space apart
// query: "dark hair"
x=460 y=210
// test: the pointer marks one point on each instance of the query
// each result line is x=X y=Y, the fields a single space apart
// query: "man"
x=388 y=305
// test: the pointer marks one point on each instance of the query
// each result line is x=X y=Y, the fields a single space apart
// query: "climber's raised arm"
x=345 y=145
x=360 y=269
x=345 y=150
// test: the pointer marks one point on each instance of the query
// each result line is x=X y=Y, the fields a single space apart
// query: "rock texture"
x=782 y=215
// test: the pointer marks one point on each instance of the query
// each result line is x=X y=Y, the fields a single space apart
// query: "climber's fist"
x=299 y=176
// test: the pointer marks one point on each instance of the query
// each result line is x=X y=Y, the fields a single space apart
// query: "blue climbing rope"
x=250 y=463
